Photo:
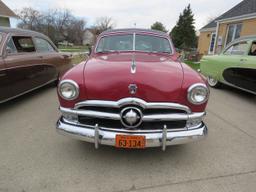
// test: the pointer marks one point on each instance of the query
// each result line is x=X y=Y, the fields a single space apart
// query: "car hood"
x=157 y=77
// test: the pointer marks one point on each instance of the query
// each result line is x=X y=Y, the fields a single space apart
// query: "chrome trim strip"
x=134 y=41
x=240 y=88
x=89 y=113
x=132 y=101
x=114 y=116
x=172 y=117
x=165 y=117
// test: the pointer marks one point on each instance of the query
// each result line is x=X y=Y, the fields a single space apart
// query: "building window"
x=212 y=42
x=234 y=31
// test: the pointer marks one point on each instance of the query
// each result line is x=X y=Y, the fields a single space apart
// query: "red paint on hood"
x=158 y=77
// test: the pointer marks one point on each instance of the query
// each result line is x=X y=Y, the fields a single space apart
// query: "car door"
x=51 y=57
x=231 y=62
x=247 y=70
x=5 y=92
x=23 y=65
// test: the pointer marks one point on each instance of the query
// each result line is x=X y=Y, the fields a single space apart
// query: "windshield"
x=146 y=43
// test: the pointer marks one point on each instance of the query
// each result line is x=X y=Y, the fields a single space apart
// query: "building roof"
x=243 y=8
x=212 y=24
x=6 y=11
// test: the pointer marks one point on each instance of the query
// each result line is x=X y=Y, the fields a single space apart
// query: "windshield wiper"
x=107 y=51
x=168 y=52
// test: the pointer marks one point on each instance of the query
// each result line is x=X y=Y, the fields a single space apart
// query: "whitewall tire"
x=213 y=82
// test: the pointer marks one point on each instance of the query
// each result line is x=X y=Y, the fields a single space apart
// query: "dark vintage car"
x=28 y=60
x=133 y=92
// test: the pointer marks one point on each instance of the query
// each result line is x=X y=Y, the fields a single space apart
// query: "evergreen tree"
x=158 y=26
x=184 y=34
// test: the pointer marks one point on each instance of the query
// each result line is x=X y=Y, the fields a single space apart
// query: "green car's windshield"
x=146 y=43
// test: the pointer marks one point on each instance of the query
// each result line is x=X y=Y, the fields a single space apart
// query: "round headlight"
x=198 y=93
x=68 y=89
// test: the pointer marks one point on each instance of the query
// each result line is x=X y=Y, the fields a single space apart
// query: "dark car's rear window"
x=23 y=44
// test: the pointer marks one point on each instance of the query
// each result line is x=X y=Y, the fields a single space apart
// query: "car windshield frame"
x=134 y=35
x=1 y=37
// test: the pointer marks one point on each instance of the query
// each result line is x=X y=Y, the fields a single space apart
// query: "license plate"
x=130 y=141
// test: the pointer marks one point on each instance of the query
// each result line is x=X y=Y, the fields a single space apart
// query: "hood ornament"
x=132 y=89
x=133 y=66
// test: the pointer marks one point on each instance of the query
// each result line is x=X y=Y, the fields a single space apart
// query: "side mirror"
x=90 y=50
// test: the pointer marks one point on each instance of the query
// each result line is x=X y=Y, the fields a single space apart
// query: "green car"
x=235 y=66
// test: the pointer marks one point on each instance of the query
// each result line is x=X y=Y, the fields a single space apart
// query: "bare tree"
x=59 y=25
x=76 y=31
x=30 y=18
x=103 y=24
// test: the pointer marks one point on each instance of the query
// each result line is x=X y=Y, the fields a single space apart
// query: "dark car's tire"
x=213 y=82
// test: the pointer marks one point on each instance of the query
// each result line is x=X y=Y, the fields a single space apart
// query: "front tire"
x=213 y=82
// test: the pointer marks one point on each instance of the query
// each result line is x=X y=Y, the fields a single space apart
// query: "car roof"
x=134 y=30
x=245 y=38
x=18 y=31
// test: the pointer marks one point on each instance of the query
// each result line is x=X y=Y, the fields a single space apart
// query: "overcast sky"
x=127 y=12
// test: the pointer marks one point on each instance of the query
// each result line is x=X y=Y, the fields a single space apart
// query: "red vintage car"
x=133 y=92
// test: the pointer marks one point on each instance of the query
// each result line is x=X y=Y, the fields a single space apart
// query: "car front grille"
x=116 y=124
x=152 y=112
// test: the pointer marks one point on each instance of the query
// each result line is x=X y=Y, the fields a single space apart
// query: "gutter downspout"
x=217 y=37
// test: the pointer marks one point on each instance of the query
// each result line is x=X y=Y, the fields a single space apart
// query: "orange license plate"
x=130 y=141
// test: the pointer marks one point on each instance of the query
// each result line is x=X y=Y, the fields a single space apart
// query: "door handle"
x=243 y=60
x=2 y=74
x=40 y=57
x=66 y=56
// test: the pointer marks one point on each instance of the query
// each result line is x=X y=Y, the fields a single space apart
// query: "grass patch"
x=194 y=65
x=73 y=48
x=76 y=59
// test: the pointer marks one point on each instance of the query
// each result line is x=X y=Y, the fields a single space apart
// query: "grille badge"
x=131 y=117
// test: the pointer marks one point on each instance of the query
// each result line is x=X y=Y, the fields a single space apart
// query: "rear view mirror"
x=181 y=58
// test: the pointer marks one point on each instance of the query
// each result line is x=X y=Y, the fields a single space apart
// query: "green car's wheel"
x=213 y=82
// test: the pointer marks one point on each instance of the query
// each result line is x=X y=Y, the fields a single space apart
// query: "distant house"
x=89 y=37
x=5 y=14
x=236 y=22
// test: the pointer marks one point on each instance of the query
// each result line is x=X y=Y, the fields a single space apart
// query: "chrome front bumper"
x=158 y=138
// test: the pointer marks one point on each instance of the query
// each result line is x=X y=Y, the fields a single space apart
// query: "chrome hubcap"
x=212 y=81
